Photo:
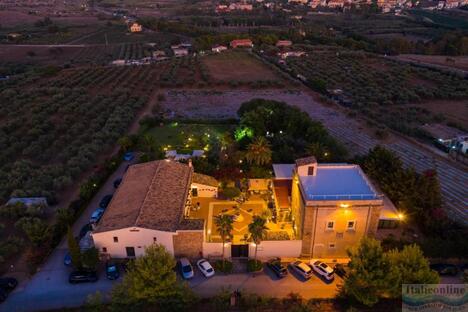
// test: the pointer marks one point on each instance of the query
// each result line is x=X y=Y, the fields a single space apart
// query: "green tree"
x=258 y=231
x=259 y=151
x=125 y=143
x=37 y=230
x=412 y=268
x=370 y=272
x=90 y=258
x=151 y=284
x=224 y=227
x=74 y=249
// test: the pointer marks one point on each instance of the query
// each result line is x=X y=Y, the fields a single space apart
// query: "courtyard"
x=208 y=208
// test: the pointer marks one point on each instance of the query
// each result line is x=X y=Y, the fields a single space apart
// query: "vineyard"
x=381 y=89
x=102 y=54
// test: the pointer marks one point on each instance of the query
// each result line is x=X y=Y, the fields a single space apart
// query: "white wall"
x=215 y=250
x=270 y=249
x=206 y=190
x=138 y=238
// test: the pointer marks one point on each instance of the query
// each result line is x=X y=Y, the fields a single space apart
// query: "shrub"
x=224 y=266
x=231 y=192
x=254 y=265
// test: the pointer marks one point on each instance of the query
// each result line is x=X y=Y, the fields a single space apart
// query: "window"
x=330 y=225
x=130 y=252
x=351 y=225
x=310 y=170
x=331 y=245
x=116 y=239
x=155 y=239
x=104 y=249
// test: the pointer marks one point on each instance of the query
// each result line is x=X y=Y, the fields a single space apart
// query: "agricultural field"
x=458 y=62
x=379 y=88
x=238 y=66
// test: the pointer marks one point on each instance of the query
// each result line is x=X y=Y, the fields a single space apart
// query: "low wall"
x=270 y=249
x=215 y=250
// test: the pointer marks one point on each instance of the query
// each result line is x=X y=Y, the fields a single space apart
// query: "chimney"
x=190 y=163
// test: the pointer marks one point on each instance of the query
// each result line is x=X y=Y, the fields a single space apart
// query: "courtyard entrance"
x=240 y=251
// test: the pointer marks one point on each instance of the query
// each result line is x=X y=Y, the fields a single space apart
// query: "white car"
x=205 y=267
x=323 y=269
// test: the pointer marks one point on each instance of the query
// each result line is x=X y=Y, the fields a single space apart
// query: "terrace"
x=208 y=208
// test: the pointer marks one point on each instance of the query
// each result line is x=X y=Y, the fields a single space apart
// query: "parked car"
x=3 y=295
x=85 y=229
x=323 y=269
x=105 y=201
x=340 y=270
x=83 y=277
x=205 y=267
x=129 y=156
x=302 y=269
x=445 y=269
x=117 y=182
x=112 y=271
x=8 y=283
x=276 y=266
x=96 y=216
x=186 y=268
x=67 y=260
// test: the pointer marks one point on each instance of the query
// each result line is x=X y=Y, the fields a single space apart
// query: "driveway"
x=49 y=287
x=265 y=283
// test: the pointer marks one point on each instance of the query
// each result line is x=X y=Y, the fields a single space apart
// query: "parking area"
x=265 y=283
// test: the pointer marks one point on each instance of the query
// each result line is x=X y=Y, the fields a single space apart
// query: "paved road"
x=49 y=288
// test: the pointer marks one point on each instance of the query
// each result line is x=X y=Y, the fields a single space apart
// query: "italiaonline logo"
x=435 y=297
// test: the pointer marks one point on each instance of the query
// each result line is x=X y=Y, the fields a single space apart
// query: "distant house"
x=218 y=48
x=180 y=51
x=240 y=7
x=298 y=1
x=118 y=62
x=241 y=43
x=222 y=8
x=285 y=55
x=283 y=43
x=159 y=54
x=135 y=27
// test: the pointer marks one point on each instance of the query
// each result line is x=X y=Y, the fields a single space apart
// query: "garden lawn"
x=187 y=137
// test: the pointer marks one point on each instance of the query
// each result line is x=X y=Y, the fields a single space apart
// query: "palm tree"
x=224 y=226
x=259 y=151
x=149 y=143
x=258 y=231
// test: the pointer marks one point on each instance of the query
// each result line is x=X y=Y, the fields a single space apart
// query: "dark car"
x=445 y=269
x=276 y=266
x=105 y=201
x=112 y=271
x=117 y=182
x=82 y=277
x=8 y=283
x=340 y=270
x=85 y=229
x=3 y=295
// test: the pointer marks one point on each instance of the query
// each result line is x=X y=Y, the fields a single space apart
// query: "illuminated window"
x=351 y=225
x=330 y=225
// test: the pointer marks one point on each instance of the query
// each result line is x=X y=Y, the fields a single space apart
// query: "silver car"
x=186 y=269
x=302 y=269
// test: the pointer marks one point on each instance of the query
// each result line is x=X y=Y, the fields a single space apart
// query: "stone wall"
x=188 y=244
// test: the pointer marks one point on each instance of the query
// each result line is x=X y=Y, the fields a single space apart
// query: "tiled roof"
x=306 y=161
x=204 y=179
x=152 y=195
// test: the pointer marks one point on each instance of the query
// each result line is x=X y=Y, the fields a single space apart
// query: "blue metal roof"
x=338 y=182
